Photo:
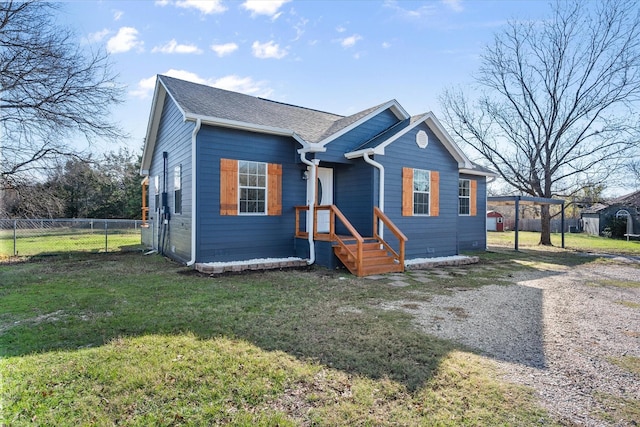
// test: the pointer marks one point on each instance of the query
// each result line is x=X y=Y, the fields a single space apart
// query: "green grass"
x=575 y=241
x=103 y=339
x=628 y=363
x=66 y=240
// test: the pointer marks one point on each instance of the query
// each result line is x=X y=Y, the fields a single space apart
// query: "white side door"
x=324 y=197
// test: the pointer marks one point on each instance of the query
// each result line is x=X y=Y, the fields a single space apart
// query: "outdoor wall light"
x=305 y=175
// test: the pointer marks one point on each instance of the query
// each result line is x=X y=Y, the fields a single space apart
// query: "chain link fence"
x=28 y=237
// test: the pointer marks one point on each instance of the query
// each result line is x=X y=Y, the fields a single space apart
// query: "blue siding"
x=428 y=236
x=472 y=234
x=358 y=136
x=174 y=137
x=353 y=195
x=234 y=238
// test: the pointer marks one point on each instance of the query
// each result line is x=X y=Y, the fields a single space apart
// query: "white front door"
x=324 y=197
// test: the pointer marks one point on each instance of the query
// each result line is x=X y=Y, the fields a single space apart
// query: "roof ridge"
x=299 y=106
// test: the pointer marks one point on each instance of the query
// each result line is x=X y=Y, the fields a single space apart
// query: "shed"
x=495 y=221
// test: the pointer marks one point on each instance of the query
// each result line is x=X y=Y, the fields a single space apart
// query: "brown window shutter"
x=407 y=192
x=434 y=190
x=228 y=187
x=274 y=189
x=473 y=192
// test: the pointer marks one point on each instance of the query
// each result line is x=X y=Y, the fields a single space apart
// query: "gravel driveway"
x=555 y=329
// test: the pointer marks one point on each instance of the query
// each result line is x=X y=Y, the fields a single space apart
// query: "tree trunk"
x=545 y=220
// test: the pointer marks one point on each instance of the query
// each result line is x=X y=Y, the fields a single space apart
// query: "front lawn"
x=105 y=339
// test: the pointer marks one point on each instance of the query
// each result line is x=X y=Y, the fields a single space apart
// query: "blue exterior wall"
x=174 y=137
x=353 y=195
x=242 y=237
x=358 y=136
x=472 y=234
x=428 y=236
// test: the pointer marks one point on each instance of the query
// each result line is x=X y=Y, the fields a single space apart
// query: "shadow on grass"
x=88 y=300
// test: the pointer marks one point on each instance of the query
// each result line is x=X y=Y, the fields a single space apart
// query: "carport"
x=527 y=200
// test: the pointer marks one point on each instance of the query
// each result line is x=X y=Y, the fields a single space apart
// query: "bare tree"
x=556 y=110
x=51 y=90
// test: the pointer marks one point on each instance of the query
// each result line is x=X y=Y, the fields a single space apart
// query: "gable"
x=365 y=129
x=378 y=144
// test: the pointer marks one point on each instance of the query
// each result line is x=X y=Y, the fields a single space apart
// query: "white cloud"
x=174 y=47
x=125 y=40
x=264 y=7
x=341 y=29
x=350 y=41
x=422 y=12
x=98 y=36
x=386 y=45
x=232 y=82
x=161 y=3
x=208 y=7
x=224 y=49
x=455 y=5
x=268 y=49
x=117 y=14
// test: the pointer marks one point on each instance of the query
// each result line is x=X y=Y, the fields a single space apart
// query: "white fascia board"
x=360 y=153
x=477 y=172
x=250 y=127
x=395 y=107
x=157 y=104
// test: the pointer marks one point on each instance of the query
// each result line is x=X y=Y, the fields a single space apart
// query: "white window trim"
x=421 y=192
x=266 y=190
x=467 y=197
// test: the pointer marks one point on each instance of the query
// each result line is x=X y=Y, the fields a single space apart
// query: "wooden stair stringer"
x=376 y=259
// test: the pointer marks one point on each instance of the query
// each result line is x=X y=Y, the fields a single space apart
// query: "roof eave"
x=157 y=103
x=246 y=126
x=467 y=171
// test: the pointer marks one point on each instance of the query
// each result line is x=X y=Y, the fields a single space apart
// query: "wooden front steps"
x=375 y=258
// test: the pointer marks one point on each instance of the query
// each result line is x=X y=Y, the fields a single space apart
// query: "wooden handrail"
x=379 y=215
x=335 y=212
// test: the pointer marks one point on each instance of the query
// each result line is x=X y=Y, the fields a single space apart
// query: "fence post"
x=15 y=247
x=106 y=238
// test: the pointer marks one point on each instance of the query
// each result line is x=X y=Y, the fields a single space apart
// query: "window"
x=421 y=181
x=177 y=189
x=252 y=183
x=420 y=192
x=250 y=188
x=464 y=197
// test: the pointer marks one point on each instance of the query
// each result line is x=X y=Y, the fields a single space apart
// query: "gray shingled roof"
x=311 y=125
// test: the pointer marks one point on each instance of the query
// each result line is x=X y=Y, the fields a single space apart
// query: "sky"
x=335 y=56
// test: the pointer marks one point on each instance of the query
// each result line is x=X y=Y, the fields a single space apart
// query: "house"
x=234 y=177
x=596 y=218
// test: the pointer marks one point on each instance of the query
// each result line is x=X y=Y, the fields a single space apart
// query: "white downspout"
x=377 y=165
x=194 y=162
x=311 y=192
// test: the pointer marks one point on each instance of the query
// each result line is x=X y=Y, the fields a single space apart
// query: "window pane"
x=464 y=206
x=421 y=203
x=464 y=187
x=243 y=167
